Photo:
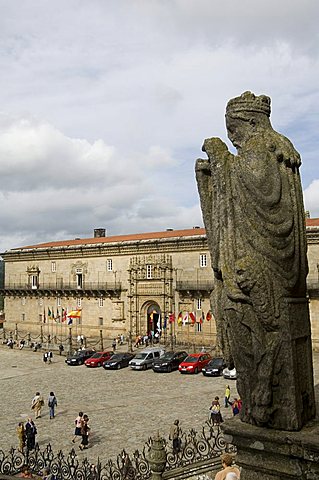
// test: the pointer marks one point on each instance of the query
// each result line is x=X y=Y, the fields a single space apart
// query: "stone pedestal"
x=267 y=454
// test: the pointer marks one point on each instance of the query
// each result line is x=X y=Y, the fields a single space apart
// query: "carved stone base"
x=266 y=454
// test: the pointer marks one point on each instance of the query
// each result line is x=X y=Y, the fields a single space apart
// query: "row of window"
x=109 y=266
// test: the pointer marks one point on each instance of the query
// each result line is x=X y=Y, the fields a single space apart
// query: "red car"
x=194 y=363
x=98 y=358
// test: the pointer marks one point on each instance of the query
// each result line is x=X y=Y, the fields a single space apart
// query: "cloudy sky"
x=105 y=105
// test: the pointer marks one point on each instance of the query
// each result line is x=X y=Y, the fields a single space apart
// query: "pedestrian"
x=45 y=357
x=174 y=435
x=61 y=348
x=228 y=467
x=235 y=407
x=215 y=415
x=30 y=432
x=21 y=436
x=121 y=339
x=50 y=356
x=52 y=403
x=85 y=433
x=25 y=473
x=114 y=344
x=227 y=396
x=37 y=404
x=78 y=425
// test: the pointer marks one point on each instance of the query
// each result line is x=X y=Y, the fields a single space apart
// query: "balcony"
x=88 y=289
x=191 y=286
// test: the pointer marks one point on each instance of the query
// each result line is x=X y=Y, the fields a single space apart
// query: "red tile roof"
x=311 y=222
x=120 y=238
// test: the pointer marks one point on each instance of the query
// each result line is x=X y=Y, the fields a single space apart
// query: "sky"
x=104 y=106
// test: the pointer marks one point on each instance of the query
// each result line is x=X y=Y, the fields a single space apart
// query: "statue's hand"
x=214 y=147
x=285 y=152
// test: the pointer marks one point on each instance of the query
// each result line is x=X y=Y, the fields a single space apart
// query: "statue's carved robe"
x=253 y=213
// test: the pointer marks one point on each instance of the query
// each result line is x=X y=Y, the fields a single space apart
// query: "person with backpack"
x=52 y=403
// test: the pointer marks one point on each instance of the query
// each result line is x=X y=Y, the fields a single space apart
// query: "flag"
x=185 y=319
x=209 y=316
x=57 y=318
x=52 y=314
x=44 y=317
x=64 y=314
x=193 y=317
x=159 y=322
x=202 y=318
x=74 y=314
x=49 y=313
x=70 y=320
x=180 y=318
x=165 y=322
x=171 y=318
x=151 y=317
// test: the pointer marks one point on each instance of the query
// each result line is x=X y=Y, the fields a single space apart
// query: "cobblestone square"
x=125 y=407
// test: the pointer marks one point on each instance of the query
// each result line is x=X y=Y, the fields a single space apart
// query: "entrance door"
x=154 y=324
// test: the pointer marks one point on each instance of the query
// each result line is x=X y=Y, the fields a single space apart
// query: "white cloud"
x=106 y=105
x=311 y=197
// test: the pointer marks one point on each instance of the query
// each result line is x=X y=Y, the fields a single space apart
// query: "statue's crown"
x=248 y=102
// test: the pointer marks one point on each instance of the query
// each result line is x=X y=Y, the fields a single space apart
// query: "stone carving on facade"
x=253 y=212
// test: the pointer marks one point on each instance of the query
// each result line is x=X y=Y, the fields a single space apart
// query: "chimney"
x=99 y=232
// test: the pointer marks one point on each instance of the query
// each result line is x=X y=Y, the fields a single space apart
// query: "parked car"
x=169 y=361
x=98 y=358
x=214 y=368
x=145 y=358
x=79 y=357
x=194 y=363
x=118 y=360
x=230 y=374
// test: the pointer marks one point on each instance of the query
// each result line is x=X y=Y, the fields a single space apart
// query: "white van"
x=146 y=357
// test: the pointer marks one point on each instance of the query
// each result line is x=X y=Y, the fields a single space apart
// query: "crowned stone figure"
x=253 y=212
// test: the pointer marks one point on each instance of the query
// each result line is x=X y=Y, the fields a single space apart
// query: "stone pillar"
x=157 y=457
x=274 y=454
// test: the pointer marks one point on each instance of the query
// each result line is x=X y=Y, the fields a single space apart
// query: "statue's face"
x=237 y=130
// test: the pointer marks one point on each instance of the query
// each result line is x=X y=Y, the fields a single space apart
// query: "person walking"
x=114 y=344
x=52 y=403
x=228 y=467
x=235 y=406
x=227 y=396
x=61 y=348
x=85 y=433
x=45 y=357
x=37 y=404
x=30 y=432
x=174 y=436
x=21 y=436
x=78 y=426
x=50 y=356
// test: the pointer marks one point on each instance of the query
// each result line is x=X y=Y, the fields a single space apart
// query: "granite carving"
x=253 y=212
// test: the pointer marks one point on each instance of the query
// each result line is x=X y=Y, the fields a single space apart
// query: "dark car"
x=117 y=361
x=169 y=361
x=79 y=357
x=214 y=368
x=98 y=359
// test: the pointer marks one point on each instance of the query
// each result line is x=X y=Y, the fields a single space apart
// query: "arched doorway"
x=153 y=319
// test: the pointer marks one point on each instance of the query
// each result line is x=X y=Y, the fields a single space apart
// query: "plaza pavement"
x=125 y=407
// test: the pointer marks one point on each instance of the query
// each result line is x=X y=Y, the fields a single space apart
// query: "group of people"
x=215 y=412
x=82 y=430
x=26 y=435
x=38 y=402
x=47 y=357
x=148 y=338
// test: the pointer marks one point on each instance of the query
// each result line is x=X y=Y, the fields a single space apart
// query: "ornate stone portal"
x=254 y=217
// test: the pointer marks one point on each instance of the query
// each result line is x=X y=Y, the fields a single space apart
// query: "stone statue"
x=253 y=213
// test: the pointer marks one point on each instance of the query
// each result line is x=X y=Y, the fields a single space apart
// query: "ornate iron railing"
x=199 y=452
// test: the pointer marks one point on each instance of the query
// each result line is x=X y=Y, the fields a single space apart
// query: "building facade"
x=130 y=284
